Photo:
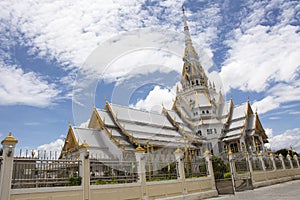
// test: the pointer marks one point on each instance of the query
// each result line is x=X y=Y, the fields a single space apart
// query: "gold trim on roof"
x=229 y=111
x=182 y=116
x=140 y=149
x=84 y=145
x=109 y=133
x=131 y=138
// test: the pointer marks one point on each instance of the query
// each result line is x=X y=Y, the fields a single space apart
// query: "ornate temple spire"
x=192 y=72
x=188 y=40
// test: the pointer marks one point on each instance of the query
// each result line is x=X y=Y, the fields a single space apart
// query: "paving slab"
x=287 y=191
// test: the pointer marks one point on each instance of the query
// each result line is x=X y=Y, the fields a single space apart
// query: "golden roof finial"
x=84 y=145
x=140 y=149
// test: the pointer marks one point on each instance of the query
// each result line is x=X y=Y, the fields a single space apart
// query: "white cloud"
x=269 y=132
x=155 y=99
x=285 y=140
x=50 y=150
x=259 y=58
x=266 y=104
x=18 y=87
x=69 y=31
x=280 y=93
x=264 y=55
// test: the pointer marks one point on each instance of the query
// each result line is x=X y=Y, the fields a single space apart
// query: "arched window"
x=234 y=148
x=199 y=133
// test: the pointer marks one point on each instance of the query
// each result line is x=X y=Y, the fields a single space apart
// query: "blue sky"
x=252 y=46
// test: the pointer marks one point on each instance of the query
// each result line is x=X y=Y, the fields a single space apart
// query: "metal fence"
x=278 y=163
x=196 y=168
x=268 y=163
x=241 y=164
x=29 y=173
x=295 y=164
x=157 y=171
x=287 y=163
x=256 y=164
x=113 y=172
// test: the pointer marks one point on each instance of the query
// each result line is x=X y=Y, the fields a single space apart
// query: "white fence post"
x=85 y=170
x=208 y=160
x=249 y=162
x=297 y=161
x=140 y=158
x=262 y=161
x=289 y=158
x=282 y=161
x=180 y=167
x=8 y=145
x=232 y=168
x=273 y=161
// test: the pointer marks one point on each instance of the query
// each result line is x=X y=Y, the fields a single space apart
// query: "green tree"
x=220 y=168
x=284 y=152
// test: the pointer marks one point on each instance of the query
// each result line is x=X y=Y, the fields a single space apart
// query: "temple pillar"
x=8 y=147
x=180 y=169
x=140 y=158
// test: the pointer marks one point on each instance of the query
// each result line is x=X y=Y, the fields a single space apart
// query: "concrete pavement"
x=288 y=190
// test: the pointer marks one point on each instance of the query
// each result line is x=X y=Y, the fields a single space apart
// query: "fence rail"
x=268 y=163
x=29 y=173
x=287 y=163
x=294 y=162
x=157 y=171
x=111 y=172
x=196 y=169
x=256 y=164
x=278 y=163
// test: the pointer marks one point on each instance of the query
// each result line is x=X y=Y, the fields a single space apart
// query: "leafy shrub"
x=75 y=181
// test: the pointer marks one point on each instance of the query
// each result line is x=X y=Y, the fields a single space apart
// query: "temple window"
x=209 y=131
x=234 y=147
x=199 y=133
x=207 y=111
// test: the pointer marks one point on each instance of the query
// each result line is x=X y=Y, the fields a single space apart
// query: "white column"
x=249 y=162
x=84 y=170
x=8 y=146
x=140 y=158
x=180 y=167
x=254 y=145
x=262 y=144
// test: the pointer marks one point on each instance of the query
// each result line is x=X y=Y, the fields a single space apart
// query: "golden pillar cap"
x=9 y=139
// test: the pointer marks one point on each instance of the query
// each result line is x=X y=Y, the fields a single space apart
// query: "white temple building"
x=199 y=120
